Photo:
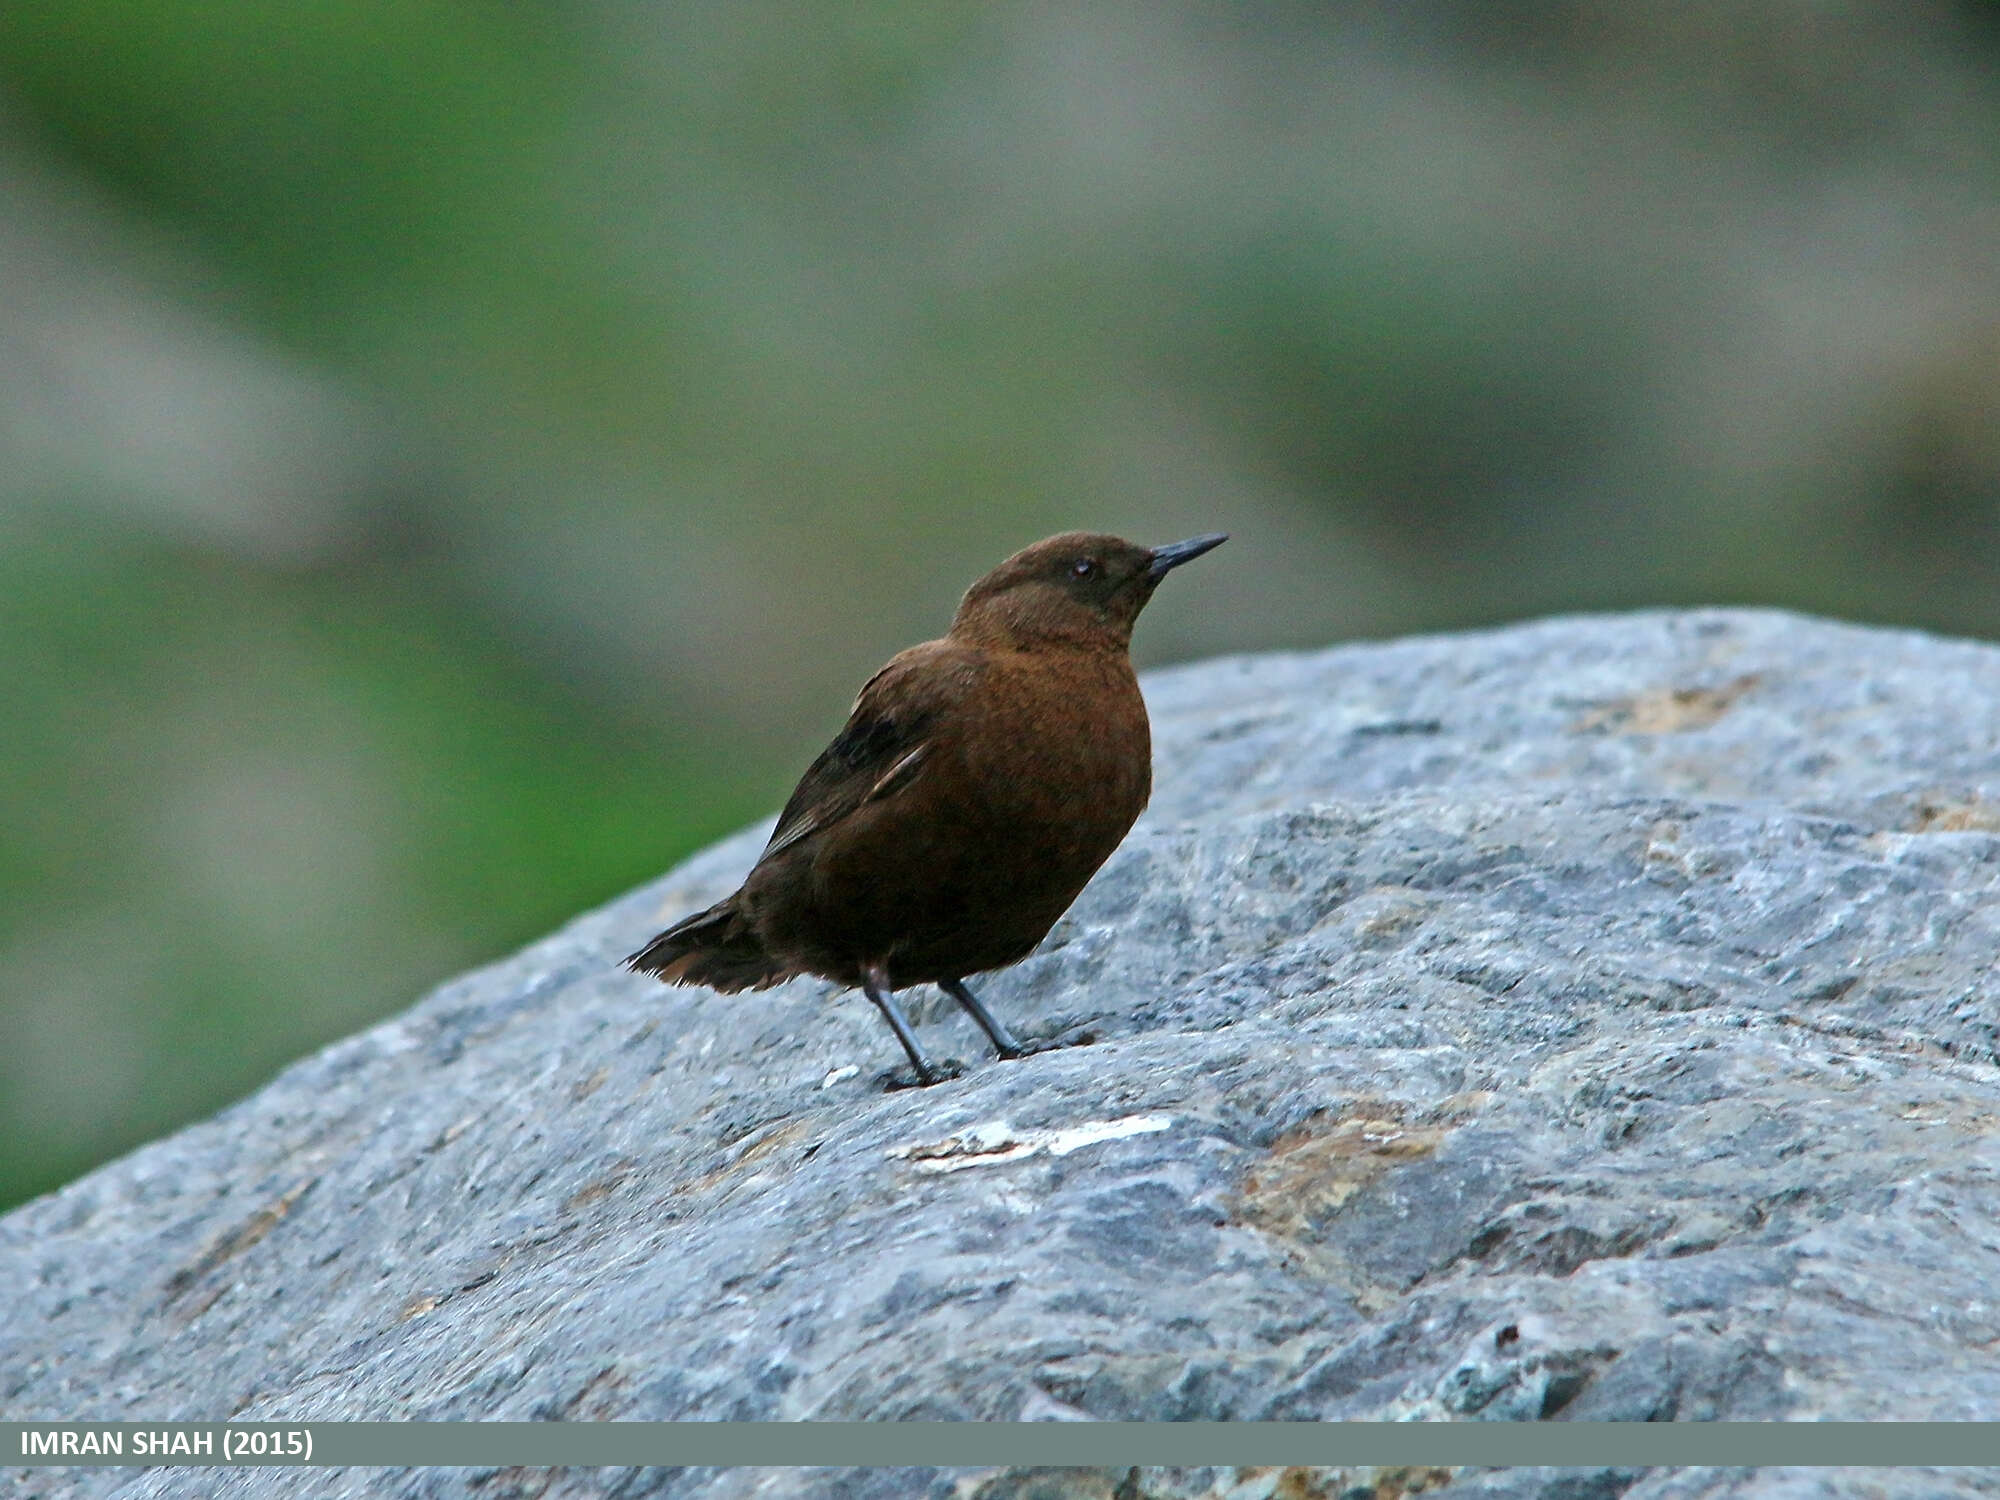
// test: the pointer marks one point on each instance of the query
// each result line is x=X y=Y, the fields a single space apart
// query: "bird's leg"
x=1003 y=1040
x=875 y=980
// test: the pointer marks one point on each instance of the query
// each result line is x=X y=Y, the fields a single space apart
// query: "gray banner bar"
x=982 y=1444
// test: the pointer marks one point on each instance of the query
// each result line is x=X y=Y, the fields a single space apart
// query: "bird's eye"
x=1084 y=567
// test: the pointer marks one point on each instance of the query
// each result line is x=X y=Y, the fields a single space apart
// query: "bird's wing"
x=883 y=748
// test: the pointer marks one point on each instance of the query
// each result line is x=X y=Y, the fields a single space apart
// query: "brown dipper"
x=979 y=783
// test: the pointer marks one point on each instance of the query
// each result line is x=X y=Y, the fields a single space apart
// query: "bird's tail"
x=715 y=948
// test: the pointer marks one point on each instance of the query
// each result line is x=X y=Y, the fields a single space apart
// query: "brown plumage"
x=980 y=781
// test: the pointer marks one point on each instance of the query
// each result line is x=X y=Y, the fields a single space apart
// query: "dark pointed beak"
x=1171 y=556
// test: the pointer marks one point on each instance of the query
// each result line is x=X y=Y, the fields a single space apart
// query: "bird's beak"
x=1171 y=556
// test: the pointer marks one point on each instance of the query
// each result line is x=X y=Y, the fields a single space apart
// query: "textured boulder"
x=1590 y=1019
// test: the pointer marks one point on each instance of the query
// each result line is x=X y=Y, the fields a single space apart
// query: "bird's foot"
x=940 y=1070
x=1074 y=1036
x=1005 y=1043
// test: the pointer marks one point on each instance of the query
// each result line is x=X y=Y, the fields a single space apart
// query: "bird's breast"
x=1061 y=756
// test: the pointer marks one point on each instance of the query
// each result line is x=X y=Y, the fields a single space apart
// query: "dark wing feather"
x=887 y=742
x=879 y=750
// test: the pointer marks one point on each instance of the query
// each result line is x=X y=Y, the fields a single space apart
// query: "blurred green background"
x=456 y=458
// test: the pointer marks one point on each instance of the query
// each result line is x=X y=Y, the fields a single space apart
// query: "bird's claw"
x=1076 y=1036
x=941 y=1070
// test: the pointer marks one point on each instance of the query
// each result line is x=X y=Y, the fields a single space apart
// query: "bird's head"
x=1081 y=589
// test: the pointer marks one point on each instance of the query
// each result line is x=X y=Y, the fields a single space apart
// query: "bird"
x=979 y=782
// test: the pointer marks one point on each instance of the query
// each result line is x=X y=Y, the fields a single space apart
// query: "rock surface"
x=1594 y=1019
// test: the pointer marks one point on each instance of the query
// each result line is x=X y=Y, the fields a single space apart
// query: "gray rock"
x=1592 y=1019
